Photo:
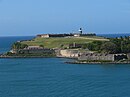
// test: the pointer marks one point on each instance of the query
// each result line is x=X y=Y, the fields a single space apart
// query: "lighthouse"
x=80 y=31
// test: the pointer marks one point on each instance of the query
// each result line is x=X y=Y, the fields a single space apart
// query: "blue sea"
x=51 y=77
x=114 y=35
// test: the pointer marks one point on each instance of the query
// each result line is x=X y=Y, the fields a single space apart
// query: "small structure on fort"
x=80 y=30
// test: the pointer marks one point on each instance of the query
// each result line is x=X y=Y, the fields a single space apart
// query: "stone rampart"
x=105 y=57
x=69 y=53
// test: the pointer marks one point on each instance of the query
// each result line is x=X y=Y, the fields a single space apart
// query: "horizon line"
x=60 y=33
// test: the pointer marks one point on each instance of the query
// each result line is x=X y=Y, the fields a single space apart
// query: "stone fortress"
x=33 y=50
x=78 y=34
x=71 y=52
x=101 y=57
x=91 y=56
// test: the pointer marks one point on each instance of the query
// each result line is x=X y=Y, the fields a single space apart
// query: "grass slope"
x=57 y=42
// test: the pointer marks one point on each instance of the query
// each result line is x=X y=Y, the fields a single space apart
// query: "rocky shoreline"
x=68 y=62
x=75 y=62
x=3 y=56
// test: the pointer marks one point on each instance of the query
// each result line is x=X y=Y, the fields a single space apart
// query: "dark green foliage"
x=121 y=38
x=123 y=44
x=118 y=44
x=18 y=45
x=94 y=46
x=61 y=45
x=97 y=45
x=9 y=53
x=115 y=45
x=109 y=47
x=90 y=46
x=41 y=46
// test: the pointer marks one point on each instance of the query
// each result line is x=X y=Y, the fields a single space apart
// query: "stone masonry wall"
x=69 y=53
x=105 y=57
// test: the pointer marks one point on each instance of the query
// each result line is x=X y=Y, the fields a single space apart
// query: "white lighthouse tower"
x=80 y=31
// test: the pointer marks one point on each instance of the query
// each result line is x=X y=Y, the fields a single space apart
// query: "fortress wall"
x=36 y=51
x=69 y=53
x=128 y=56
x=45 y=36
x=91 y=57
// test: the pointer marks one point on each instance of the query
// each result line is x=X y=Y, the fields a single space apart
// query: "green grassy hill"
x=57 y=42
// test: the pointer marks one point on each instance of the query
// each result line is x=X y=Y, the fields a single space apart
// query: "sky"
x=32 y=17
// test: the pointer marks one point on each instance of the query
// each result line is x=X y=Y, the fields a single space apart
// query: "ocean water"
x=114 y=35
x=6 y=42
x=51 y=77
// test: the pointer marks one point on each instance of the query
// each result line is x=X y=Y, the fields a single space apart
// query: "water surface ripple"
x=51 y=77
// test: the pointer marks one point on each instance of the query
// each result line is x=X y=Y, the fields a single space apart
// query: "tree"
x=90 y=46
x=121 y=37
x=84 y=46
x=118 y=44
x=41 y=46
x=109 y=47
x=128 y=48
x=18 y=45
x=125 y=46
x=97 y=45
x=61 y=46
